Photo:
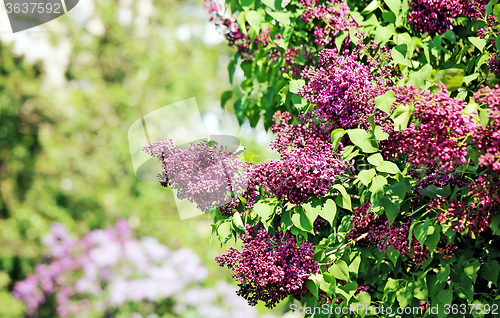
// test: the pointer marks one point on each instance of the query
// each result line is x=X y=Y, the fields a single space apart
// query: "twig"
x=347 y=244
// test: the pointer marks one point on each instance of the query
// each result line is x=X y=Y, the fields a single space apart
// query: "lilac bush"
x=110 y=270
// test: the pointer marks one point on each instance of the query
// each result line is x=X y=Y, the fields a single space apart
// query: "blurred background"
x=69 y=91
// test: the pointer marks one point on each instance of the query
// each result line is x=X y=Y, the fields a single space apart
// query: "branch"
x=347 y=244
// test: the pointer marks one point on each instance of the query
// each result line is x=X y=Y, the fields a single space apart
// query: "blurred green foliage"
x=64 y=151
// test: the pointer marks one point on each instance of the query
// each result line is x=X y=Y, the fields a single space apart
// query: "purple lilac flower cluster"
x=307 y=166
x=332 y=14
x=344 y=89
x=438 y=131
x=436 y=16
x=475 y=216
x=385 y=236
x=208 y=175
x=270 y=268
x=488 y=139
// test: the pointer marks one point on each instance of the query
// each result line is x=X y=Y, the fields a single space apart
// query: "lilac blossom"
x=270 y=268
x=208 y=175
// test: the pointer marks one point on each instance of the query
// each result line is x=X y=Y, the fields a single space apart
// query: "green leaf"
x=489 y=6
x=398 y=56
x=340 y=37
x=328 y=284
x=389 y=167
x=419 y=77
x=391 y=286
x=346 y=198
x=483 y=58
x=391 y=209
x=375 y=159
x=434 y=192
x=298 y=101
x=445 y=296
x=312 y=213
x=384 y=102
x=484 y=117
x=388 y=16
x=224 y=232
x=302 y=222
x=401 y=116
x=490 y=271
x=365 y=299
x=313 y=287
x=478 y=42
x=378 y=184
x=471 y=268
x=402 y=298
x=452 y=78
x=450 y=36
x=396 y=193
x=366 y=176
x=340 y=270
x=269 y=3
x=394 y=5
x=262 y=210
x=393 y=255
x=354 y=266
x=433 y=239
x=241 y=22
x=255 y=18
x=380 y=134
x=496 y=12
x=336 y=136
x=295 y=85
x=246 y=3
x=231 y=67
x=225 y=97
x=443 y=274
x=329 y=211
x=283 y=17
x=479 y=311
x=420 y=231
x=371 y=7
x=470 y=78
x=237 y=222
x=286 y=221
x=346 y=291
x=363 y=140
x=495 y=223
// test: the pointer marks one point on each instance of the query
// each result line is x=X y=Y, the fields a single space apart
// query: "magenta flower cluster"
x=208 y=175
x=488 y=138
x=438 y=130
x=344 y=89
x=384 y=235
x=436 y=15
x=270 y=268
x=333 y=17
x=307 y=167
x=476 y=215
